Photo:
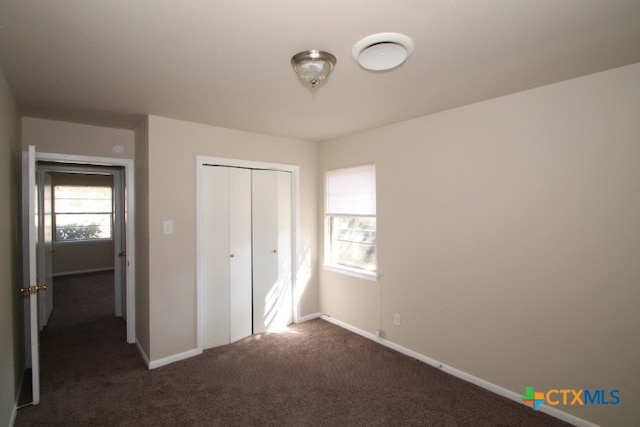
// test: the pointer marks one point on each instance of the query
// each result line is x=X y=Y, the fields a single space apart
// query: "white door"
x=240 y=253
x=226 y=253
x=30 y=269
x=271 y=215
x=45 y=245
x=285 y=247
x=245 y=252
x=216 y=253
x=119 y=245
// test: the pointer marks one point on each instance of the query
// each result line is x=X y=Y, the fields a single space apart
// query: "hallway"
x=82 y=341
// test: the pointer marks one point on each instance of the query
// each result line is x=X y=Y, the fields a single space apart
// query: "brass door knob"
x=33 y=289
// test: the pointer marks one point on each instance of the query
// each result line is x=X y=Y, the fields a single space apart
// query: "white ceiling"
x=226 y=62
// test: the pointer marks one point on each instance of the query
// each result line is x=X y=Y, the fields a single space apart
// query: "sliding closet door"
x=240 y=253
x=271 y=208
x=226 y=252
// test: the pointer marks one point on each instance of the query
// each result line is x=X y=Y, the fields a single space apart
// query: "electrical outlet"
x=397 y=320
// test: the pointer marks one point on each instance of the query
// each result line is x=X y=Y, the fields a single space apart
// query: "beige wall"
x=51 y=136
x=508 y=238
x=82 y=257
x=11 y=325
x=172 y=150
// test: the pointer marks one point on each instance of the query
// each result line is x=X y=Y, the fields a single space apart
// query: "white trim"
x=14 y=414
x=355 y=272
x=142 y=353
x=174 y=358
x=554 y=412
x=91 y=270
x=240 y=163
x=302 y=319
x=202 y=161
x=20 y=386
x=128 y=165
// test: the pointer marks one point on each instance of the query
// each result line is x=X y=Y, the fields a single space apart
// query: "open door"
x=44 y=245
x=119 y=244
x=32 y=285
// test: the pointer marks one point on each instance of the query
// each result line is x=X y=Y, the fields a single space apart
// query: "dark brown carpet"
x=317 y=374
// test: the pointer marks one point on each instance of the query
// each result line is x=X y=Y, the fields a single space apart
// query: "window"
x=82 y=212
x=350 y=219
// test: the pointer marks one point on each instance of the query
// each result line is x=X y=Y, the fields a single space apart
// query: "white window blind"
x=351 y=191
x=83 y=212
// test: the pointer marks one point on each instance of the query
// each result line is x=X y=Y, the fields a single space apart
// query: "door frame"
x=204 y=161
x=129 y=225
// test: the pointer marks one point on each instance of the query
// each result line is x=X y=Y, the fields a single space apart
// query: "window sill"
x=362 y=274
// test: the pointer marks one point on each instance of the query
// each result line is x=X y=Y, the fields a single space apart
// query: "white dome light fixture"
x=313 y=66
x=382 y=51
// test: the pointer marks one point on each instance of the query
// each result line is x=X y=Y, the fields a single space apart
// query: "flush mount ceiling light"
x=382 y=51
x=313 y=66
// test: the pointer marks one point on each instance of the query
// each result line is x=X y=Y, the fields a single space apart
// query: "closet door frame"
x=205 y=161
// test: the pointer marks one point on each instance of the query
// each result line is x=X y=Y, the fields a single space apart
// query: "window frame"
x=55 y=213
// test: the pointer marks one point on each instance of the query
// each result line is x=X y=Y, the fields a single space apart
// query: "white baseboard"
x=191 y=353
x=571 y=419
x=14 y=414
x=142 y=353
x=308 y=317
x=174 y=358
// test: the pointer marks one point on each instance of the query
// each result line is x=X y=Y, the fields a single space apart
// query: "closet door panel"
x=272 y=304
x=240 y=253
x=265 y=248
x=215 y=253
x=285 y=245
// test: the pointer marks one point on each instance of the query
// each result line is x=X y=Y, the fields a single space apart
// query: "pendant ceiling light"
x=313 y=66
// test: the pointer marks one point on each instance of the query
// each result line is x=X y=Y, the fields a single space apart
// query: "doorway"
x=122 y=171
x=82 y=226
x=37 y=243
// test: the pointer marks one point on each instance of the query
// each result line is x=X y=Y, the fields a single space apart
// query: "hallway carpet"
x=314 y=374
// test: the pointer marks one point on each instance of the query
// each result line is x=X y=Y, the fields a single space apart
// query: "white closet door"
x=227 y=255
x=271 y=197
x=240 y=253
x=215 y=253
x=285 y=244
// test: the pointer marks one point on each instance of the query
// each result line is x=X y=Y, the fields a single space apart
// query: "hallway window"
x=82 y=213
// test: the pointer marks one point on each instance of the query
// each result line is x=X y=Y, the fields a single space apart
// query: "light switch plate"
x=167 y=227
